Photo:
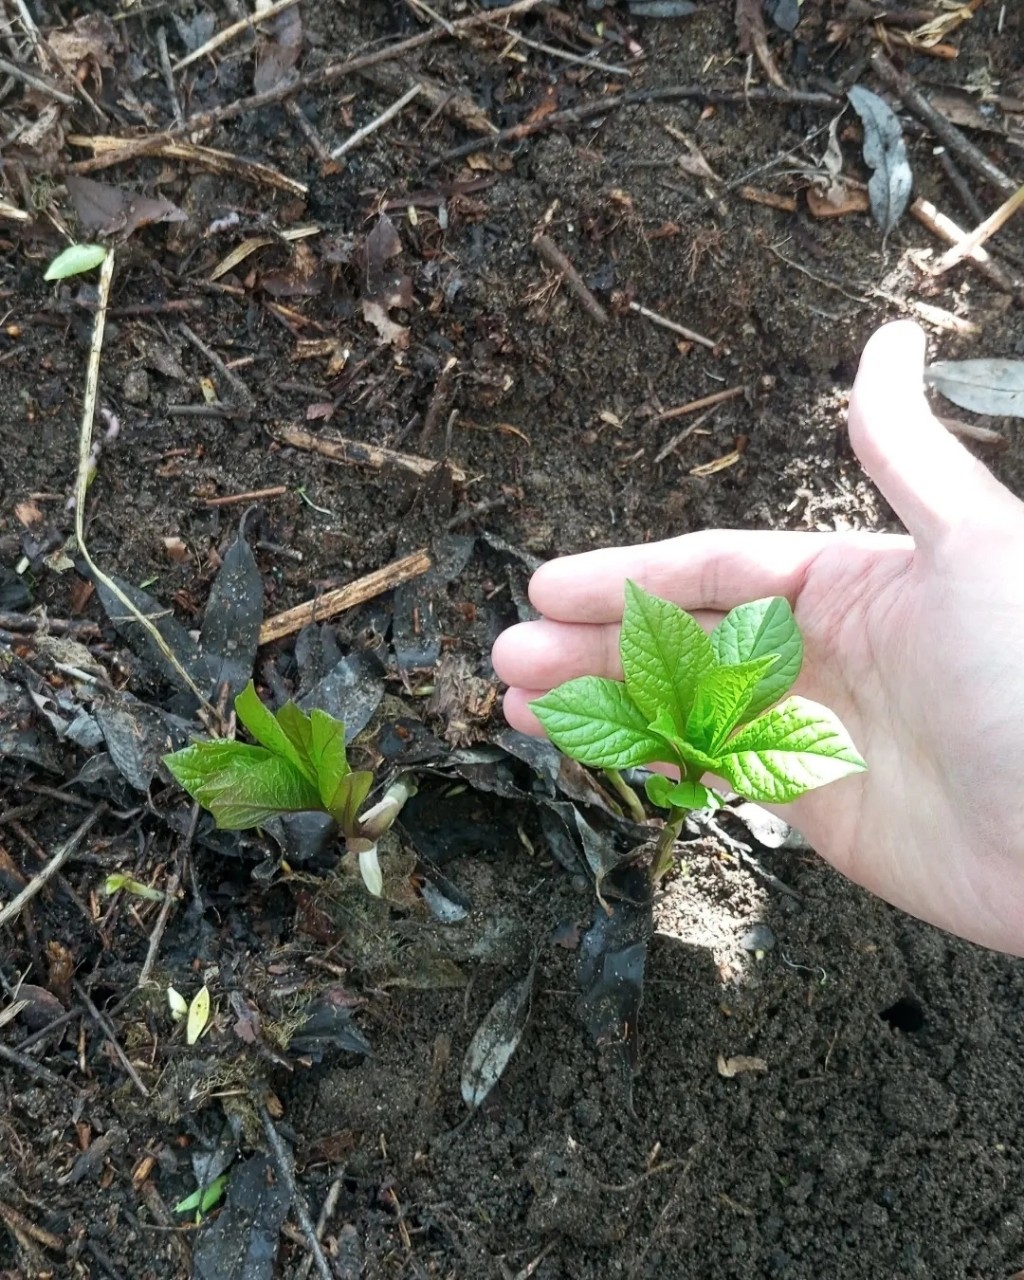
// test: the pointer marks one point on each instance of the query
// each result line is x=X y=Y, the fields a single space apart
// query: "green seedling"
x=118 y=882
x=702 y=704
x=201 y=1202
x=299 y=766
x=75 y=260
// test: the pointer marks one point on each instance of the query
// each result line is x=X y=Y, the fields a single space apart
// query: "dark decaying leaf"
x=495 y=1041
x=329 y=1025
x=519 y=566
x=351 y=692
x=612 y=957
x=106 y=209
x=316 y=652
x=234 y=614
x=242 y=1242
x=14 y=592
x=278 y=56
x=139 y=640
x=137 y=738
x=415 y=632
x=20 y=738
x=990 y=386
x=886 y=154
x=754 y=39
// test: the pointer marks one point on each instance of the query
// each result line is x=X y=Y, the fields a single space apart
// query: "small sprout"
x=703 y=704
x=115 y=883
x=198 y=1015
x=299 y=766
x=75 y=260
x=177 y=1003
x=200 y=1202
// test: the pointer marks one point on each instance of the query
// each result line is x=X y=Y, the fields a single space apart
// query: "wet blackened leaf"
x=316 y=653
x=415 y=631
x=280 y=53
x=231 y=624
x=351 y=692
x=884 y=152
x=139 y=640
x=136 y=736
x=105 y=209
x=495 y=1041
x=329 y=1025
x=612 y=957
x=242 y=1243
x=20 y=738
x=993 y=386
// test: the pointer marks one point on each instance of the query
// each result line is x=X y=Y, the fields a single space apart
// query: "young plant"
x=299 y=766
x=702 y=704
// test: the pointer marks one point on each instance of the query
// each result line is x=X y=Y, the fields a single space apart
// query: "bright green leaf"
x=268 y=732
x=678 y=750
x=74 y=260
x=664 y=652
x=299 y=730
x=667 y=794
x=595 y=721
x=348 y=798
x=118 y=881
x=242 y=786
x=756 y=630
x=203 y=1201
x=793 y=748
x=327 y=749
x=721 y=699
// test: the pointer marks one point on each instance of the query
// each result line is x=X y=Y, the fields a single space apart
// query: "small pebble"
x=135 y=387
x=759 y=938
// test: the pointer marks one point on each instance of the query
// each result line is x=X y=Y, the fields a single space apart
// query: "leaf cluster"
x=299 y=765
x=705 y=704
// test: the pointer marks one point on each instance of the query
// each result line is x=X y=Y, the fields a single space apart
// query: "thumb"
x=931 y=481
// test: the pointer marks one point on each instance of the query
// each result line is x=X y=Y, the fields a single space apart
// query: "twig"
x=982 y=232
x=64 y=852
x=236 y=29
x=168 y=75
x=33 y=82
x=331 y=603
x=943 y=128
x=285 y=1168
x=950 y=232
x=339 y=70
x=682 y=435
x=557 y=261
x=355 y=453
x=254 y=495
x=57 y=626
x=439 y=399
x=960 y=185
x=326 y=1209
x=638 y=98
x=583 y=60
x=378 y=122
x=105 y=1026
x=229 y=376
x=17 y=1220
x=92 y=383
x=705 y=402
x=32 y=1067
x=170 y=899
x=316 y=143
x=689 y=334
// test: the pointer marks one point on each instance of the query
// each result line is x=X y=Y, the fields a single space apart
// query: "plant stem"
x=666 y=843
x=626 y=794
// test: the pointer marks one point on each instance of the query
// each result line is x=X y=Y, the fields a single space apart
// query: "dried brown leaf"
x=394 y=334
x=91 y=36
x=754 y=39
x=278 y=56
x=104 y=209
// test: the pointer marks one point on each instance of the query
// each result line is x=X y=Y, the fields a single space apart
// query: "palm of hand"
x=912 y=641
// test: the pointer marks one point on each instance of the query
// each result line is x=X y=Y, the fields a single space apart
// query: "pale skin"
x=916 y=641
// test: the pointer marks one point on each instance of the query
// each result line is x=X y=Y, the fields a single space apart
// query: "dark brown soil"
x=884 y=1134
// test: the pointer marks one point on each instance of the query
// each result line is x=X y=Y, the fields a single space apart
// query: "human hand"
x=915 y=642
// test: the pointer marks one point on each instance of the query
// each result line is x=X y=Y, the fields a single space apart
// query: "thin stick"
x=689 y=334
x=168 y=75
x=557 y=261
x=32 y=1067
x=40 y=881
x=33 y=82
x=105 y=1026
x=705 y=402
x=283 y=1161
x=583 y=60
x=109 y=151
x=339 y=70
x=254 y=495
x=331 y=603
x=362 y=134
x=231 y=378
x=982 y=232
x=950 y=232
x=680 y=436
x=170 y=899
x=355 y=453
x=326 y=1209
x=236 y=29
x=92 y=383
x=943 y=128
